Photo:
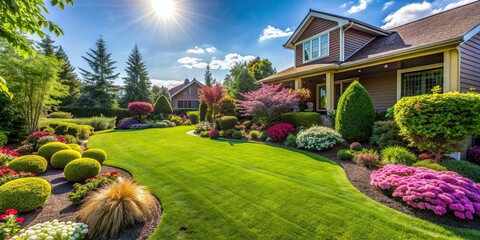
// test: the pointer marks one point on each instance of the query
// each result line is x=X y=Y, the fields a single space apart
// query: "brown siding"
x=184 y=95
x=470 y=64
x=317 y=26
x=334 y=51
x=382 y=87
x=355 y=40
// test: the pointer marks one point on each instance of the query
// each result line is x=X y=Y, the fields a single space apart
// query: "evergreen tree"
x=158 y=91
x=137 y=83
x=245 y=83
x=209 y=81
x=47 y=47
x=163 y=106
x=100 y=90
x=68 y=77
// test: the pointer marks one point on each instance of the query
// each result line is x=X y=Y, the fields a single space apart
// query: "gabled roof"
x=177 y=89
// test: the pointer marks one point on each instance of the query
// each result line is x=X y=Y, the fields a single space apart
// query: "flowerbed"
x=7 y=155
x=280 y=131
x=7 y=174
x=423 y=188
x=80 y=191
x=54 y=230
x=9 y=223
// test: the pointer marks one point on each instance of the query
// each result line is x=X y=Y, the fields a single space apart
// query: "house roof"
x=293 y=72
x=177 y=89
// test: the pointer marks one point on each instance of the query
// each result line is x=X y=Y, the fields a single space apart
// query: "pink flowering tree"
x=211 y=96
x=140 y=108
x=268 y=103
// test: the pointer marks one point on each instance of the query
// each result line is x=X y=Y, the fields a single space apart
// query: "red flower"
x=114 y=172
x=19 y=220
x=11 y=211
x=2 y=217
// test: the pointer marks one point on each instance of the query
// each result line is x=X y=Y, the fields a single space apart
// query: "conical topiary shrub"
x=163 y=106
x=355 y=113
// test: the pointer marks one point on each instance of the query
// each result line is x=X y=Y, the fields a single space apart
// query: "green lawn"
x=237 y=190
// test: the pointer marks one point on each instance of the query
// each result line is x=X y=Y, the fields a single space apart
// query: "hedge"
x=303 y=119
x=85 y=112
x=24 y=194
x=227 y=122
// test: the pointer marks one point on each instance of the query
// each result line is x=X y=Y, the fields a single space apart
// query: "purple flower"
x=126 y=123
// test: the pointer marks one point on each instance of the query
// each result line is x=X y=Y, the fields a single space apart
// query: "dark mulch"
x=59 y=206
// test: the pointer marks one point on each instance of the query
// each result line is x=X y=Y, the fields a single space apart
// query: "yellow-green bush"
x=29 y=163
x=95 y=153
x=24 y=194
x=75 y=147
x=49 y=149
x=62 y=158
x=80 y=169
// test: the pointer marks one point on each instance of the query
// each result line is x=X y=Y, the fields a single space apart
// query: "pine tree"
x=100 y=90
x=68 y=77
x=47 y=47
x=209 y=81
x=137 y=83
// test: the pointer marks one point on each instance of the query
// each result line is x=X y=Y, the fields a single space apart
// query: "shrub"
x=367 y=160
x=473 y=154
x=60 y=115
x=163 y=106
x=278 y=132
x=176 y=119
x=254 y=134
x=48 y=129
x=70 y=139
x=464 y=168
x=211 y=95
x=80 y=131
x=423 y=188
x=318 y=138
x=95 y=153
x=5 y=159
x=54 y=230
x=7 y=174
x=213 y=134
x=204 y=134
x=355 y=113
x=115 y=207
x=47 y=139
x=227 y=122
x=438 y=123
x=227 y=106
x=80 y=169
x=203 y=126
x=139 y=109
x=430 y=165
x=25 y=194
x=346 y=154
x=193 y=116
x=75 y=147
x=127 y=123
x=302 y=119
x=62 y=158
x=49 y=149
x=237 y=134
x=386 y=133
x=291 y=141
x=98 y=123
x=87 y=112
x=202 y=109
x=3 y=138
x=263 y=135
x=396 y=155
x=356 y=146
x=80 y=191
x=29 y=163
x=25 y=149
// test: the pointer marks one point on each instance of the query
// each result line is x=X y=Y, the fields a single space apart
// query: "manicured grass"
x=238 y=190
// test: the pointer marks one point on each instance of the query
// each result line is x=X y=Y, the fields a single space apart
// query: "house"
x=185 y=95
x=331 y=51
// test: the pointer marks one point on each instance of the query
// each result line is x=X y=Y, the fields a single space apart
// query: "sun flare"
x=164 y=8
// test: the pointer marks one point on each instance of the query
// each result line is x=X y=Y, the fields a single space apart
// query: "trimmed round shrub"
x=302 y=119
x=278 y=132
x=95 y=153
x=227 y=106
x=355 y=113
x=396 y=155
x=386 y=133
x=62 y=158
x=194 y=117
x=356 y=146
x=24 y=194
x=80 y=169
x=254 y=134
x=204 y=134
x=291 y=141
x=464 y=168
x=318 y=138
x=346 y=154
x=75 y=147
x=227 y=122
x=29 y=163
x=70 y=139
x=162 y=106
x=368 y=160
x=430 y=165
x=49 y=149
x=237 y=134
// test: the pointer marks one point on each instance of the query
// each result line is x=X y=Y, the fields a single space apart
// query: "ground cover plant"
x=80 y=191
x=54 y=230
x=299 y=195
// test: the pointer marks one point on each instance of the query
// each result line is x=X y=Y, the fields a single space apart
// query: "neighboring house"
x=332 y=51
x=185 y=96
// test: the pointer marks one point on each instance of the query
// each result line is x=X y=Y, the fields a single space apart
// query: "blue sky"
x=207 y=31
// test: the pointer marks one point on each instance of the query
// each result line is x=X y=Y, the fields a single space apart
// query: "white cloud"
x=229 y=61
x=196 y=50
x=190 y=62
x=211 y=49
x=457 y=4
x=166 y=83
x=344 y=5
x=362 y=5
x=273 y=32
x=387 y=5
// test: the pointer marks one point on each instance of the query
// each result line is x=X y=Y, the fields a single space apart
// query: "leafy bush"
x=7 y=174
x=9 y=223
x=291 y=141
x=355 y=113
x=202 y=127
x=263 y=135
x=464 y=168
x=80 y=191
x=386 y=133
x=227 y=122
x=227 y=106
x=440 y=192
x=49 y=149
x=29 y=163
x=368 y=160
x=82 y=168
x=438 y=123
x=202 y=109
x=3 y=138
x=214 y=134
x=162 y=106
x=318 y=138
x=346 y=154
x=278 y=132
x=47 y=139
x=302 y=119
x=176 y=119
x=127 y=123
x=24 y=194
x=54 y=230
x=193 y=116
x=356 y=146
x=60 y=115
x=80 y=131
x=48 y=129
x=237 y=134
x=254 y=134
x=61 y=158
x=87 y=112
x=396 y=155
x=70 y=139
x=98 y=123
x=95 y=153
x=139 y=109
x=473 y=154
x=430 y=165
x=75 y=147
x=25 y=149
x=5 y=159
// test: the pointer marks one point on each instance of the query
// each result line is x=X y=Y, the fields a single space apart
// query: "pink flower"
x=19 y=220
x=11 y=211
x=3 y=217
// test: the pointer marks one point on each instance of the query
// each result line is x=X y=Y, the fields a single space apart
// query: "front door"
x=321 y=96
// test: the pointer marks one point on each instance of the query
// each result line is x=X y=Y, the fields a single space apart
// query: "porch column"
x=298 y=83
x=330 y=83
x=451 y=71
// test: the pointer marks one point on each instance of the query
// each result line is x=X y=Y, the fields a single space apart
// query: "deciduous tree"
x=140 y=108
x=211 y=96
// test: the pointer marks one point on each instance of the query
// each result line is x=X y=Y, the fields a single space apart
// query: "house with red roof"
x=185 y=95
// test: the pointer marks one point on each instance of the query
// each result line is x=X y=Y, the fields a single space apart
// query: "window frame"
x=185 y=103
x=309 y=41
x=417 y=69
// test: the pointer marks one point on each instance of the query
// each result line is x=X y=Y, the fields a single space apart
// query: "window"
x=315 y=48
x=190 y=104
x=421 y=82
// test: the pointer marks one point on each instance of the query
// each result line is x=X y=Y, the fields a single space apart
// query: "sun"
x=164 y=8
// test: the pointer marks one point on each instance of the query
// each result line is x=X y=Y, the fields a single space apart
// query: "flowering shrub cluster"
x=473 y=154
x=9 y=223
x=8 y=151
x=126 y=123
x=7 y=155
x=37 y=139
x=318 y=138
x=32 y=138
x=80 y=191
x=214 y=134
x=280 y=131
x=423 y=188
x=140 y=108
x=54 y=230
x=7 y=174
